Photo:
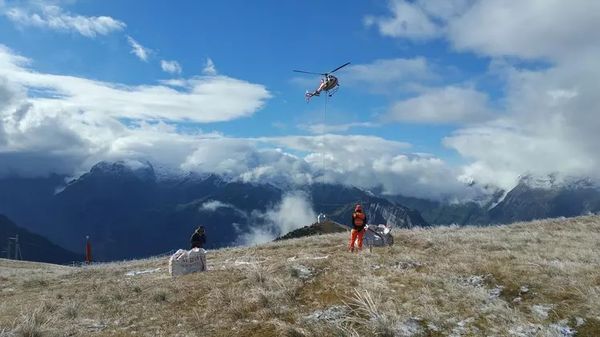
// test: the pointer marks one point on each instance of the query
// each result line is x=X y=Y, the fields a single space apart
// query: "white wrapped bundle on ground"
x=187 y=261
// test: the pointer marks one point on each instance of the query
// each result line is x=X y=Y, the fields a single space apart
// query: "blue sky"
x=452 y=90
x=260 y=43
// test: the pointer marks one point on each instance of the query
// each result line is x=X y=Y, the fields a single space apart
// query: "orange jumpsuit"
x=359 y=220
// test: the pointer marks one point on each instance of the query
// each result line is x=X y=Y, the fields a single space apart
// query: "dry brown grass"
x=526 y=279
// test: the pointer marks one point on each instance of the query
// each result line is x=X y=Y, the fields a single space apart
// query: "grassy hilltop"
x=527 y=279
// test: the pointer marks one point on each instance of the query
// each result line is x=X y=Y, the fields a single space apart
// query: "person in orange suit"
x=359 y=220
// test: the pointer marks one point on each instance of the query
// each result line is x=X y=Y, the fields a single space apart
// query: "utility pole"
x=18 y=255
x=17 y=248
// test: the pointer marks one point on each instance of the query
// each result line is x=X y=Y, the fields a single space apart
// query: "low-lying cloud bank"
x=293 y=212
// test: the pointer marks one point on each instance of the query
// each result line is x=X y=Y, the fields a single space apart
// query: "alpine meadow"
x=406 y=168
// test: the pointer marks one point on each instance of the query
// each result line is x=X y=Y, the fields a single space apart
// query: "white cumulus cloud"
x=391 y=75
x=550 y=29
x=199 y=99
x=549 y=125
x=408 y=20
x=171 y=67
x=444 y=105
x=209 y=68
x=54 y=18
x=138 y=50
x=545 y=118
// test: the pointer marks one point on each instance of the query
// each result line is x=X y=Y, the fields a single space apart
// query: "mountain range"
x=547 y=197
x=32 y=247
x=534 y=197
x=131 y=209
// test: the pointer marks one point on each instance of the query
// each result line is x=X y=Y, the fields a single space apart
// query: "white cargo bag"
x=187 y=261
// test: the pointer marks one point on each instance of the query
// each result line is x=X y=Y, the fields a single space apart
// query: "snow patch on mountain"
x=142 y=170
x=557 y=181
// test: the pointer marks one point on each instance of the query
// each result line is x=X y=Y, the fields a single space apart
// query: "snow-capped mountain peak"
x=555 y=181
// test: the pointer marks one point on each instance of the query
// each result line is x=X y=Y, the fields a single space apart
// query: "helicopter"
x=329 y=83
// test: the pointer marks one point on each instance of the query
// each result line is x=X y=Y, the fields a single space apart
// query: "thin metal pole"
x=18 y=255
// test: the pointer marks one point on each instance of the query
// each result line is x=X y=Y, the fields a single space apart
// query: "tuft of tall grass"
x=32 y=324
x=368 y=312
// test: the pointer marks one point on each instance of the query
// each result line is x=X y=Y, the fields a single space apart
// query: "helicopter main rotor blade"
x=340 y=67
x=307 y=72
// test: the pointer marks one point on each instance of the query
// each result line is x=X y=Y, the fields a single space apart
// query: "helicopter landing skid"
x=333 y=91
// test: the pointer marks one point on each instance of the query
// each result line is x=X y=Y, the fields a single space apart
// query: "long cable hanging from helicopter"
x=323 y=140
x=330 y=84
